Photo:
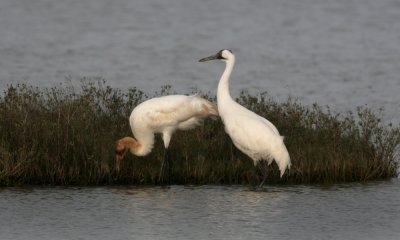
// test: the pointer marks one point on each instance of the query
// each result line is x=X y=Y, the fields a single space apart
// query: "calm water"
x=344 y=53
x=354 y=211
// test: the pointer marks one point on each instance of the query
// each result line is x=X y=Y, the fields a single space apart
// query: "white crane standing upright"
x=252 y=134
x=163 y=115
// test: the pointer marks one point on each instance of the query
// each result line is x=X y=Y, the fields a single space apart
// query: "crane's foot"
x=262 y=183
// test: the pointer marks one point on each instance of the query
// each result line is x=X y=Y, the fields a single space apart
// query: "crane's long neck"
x=146 y=142
x=142 y=135
x=223 y=94
x=135 y=146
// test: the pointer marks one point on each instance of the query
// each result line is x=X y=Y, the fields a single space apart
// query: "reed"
x=65 y=136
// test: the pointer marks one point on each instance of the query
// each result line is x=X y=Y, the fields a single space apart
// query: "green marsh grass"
x=65 y=135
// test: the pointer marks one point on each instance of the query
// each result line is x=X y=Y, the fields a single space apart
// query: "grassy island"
x=65 y=135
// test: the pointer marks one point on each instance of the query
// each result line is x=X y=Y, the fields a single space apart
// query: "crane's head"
x=120 y=151
x=121 y=148
x=224 y=54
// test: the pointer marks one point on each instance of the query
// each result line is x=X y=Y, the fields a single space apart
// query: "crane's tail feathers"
x=210 y=108
x=283 y=159
x=213 y=111
x=204 y=107
x=284 y=164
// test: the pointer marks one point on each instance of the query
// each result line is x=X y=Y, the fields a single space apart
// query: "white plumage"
x=163 y=115
x=250 y=133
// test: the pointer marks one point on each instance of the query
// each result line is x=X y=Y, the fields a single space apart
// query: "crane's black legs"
x=263 y=165
x=164 y=164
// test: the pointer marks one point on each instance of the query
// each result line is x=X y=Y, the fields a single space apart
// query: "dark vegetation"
x=65 y=136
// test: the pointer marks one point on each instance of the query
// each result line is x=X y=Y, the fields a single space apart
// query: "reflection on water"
x=352 y=211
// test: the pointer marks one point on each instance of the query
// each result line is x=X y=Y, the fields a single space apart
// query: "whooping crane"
x=162 y=115
x=252 y=134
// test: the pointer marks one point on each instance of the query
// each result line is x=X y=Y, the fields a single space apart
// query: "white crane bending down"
x=162 y=115
x=250 y=133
